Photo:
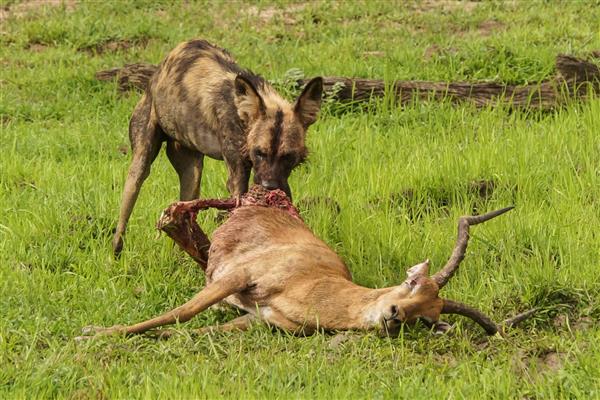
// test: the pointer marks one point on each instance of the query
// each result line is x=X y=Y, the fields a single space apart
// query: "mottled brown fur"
x=268 y=263
x=201 y=103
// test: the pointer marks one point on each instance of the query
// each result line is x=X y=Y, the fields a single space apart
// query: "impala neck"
x=349 y=306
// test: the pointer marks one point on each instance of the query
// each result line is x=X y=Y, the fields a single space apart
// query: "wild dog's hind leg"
x=146 y=138
x=188 y=164
x=211 y=294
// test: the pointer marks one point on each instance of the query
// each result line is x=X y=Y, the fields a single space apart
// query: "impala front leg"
x=211 y=294
x=179 y=223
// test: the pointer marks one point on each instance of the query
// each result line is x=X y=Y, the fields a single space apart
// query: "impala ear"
x=247 y=100
x=309 y=103
x=418 y=270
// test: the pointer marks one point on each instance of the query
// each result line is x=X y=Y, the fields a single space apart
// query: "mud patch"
x=489 y=27
x=546 y=361
x=114 y=45
x=564 y=321
x=339 y=340
x=426 y=6
x=29 y=7
x=369 y=54
x=550 y=361
x=268 y=14
x=36 y=47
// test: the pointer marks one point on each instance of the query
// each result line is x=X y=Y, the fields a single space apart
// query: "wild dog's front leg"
x=211 y=294
x=146 y=139
x=237 y=182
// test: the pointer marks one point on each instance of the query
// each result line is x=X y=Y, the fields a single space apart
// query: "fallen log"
x=575 y=78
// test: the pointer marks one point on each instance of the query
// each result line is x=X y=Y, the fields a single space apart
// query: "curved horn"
x=455 y=307
x=458 y=254
x=490 y=327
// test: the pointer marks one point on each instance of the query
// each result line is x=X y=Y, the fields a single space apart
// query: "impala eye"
x=411 y=283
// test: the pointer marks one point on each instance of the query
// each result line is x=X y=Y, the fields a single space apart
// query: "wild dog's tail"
x=130 y=76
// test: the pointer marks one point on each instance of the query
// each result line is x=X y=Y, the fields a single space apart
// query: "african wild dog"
x=201 y=103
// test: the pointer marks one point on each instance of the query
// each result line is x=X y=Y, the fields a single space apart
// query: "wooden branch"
x=575 y=79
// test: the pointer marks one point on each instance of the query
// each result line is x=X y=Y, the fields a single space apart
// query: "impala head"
x=417 y=297
x=276 y=129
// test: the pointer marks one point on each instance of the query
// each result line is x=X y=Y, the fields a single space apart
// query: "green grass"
x=61 y=176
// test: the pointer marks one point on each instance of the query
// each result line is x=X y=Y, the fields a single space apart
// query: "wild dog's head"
x=276 y=129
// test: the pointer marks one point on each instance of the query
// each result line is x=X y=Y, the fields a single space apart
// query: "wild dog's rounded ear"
x=248 y=102
x=309 y=102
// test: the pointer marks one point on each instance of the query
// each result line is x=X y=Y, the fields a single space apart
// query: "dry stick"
x=573 y=75
x=575 y=78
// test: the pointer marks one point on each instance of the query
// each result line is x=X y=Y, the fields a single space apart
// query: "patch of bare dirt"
x=37 y=47
x=28 y=7
x=425 y=6
x=269 y=13
x=545 y=362
x=374 y=53
x=113 y=45
x=341 y=339
x=435 y=51
x=583 y=323
x=489 y=27
x=579 y=324
x=550 y=361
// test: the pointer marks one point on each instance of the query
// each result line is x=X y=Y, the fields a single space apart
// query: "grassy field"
x=402 y=177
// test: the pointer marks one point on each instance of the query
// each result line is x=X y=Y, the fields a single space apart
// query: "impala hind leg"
x=238 y=324
x=211 y=294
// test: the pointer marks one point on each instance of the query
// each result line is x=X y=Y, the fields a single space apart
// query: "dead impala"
x=266 y=261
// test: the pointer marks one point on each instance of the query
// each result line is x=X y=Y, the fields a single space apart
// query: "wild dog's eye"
x=288 y=158
x=259 y=154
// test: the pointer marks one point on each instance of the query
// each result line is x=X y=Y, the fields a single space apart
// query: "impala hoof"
x=89 y=332
x=441 y=328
